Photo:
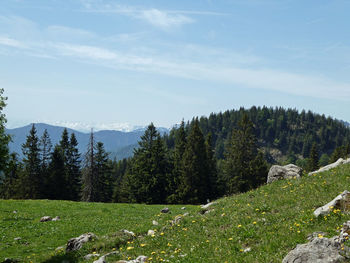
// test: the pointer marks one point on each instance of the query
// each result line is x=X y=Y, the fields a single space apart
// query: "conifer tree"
x=244 y=166
x=104 y=184
x=45 y=146
x=148 y=178
x=9 y=187
x=32 y=182
x=88 y=193
x=180 y=146
x=313 y=158
x=212 y=171
x=194 y=182
x=57 y=184
x=73 y=169
x=4 y=138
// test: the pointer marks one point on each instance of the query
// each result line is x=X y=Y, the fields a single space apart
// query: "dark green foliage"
x=340 y=152
x=149 y=171
x=104 y=182
x=324 y=160
x=9 y=187
x=194 y=183
x=45 y=146
x=244 y=166
x=32 y=181
x=313 y=158
x=4 y=138
x=57 y=182
x=73 y=169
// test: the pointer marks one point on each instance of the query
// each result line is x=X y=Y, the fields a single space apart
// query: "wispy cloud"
x=6 y=41
x=163 y=19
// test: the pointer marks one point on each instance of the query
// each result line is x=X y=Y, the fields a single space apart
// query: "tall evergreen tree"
x=45 y=147
x=4 y=138
x=57 y=184
x=148 y=178
x=194 y=182
x=32 y=181
x=180 y=147
x=9 y=187
x=104 y=182
x=88 y=193
x=73 y=169
x=313 y=158
x=244 y=166
x=212 y=171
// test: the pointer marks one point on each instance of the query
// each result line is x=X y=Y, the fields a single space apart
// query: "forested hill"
x=289 y=132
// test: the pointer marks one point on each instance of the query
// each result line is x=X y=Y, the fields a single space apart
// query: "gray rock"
x=130 y=233
x=139 y=259
x=165 y=210
x=208 y=205
x=10 y=260
x=183 y=208
x=90 y=256
x=17 y=238
x=103 y=258
x=150 y=232
x=77 y=242
x=155 y=223
x=341 y=202
x=331 y=166
x=278 y=172
x=57 y=218
x=319 y=250
x=316 y=234
x=45 y=219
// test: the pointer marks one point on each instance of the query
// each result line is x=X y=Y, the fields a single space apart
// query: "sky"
x=118 y=64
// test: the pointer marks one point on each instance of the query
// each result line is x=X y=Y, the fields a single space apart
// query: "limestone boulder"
x=139 y=259
x=331 y=166
x=318 y=250
x=78 y=242
x=341 y=202
x=289 y=171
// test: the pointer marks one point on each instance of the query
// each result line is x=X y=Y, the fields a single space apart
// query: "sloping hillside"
x=262 y=225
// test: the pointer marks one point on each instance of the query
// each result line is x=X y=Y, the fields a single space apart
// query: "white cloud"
x=6 y=41
x=164 y=19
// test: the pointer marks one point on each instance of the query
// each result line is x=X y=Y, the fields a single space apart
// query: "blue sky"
x=116 y=64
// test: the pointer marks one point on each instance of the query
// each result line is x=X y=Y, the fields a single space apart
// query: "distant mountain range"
x=118 y=144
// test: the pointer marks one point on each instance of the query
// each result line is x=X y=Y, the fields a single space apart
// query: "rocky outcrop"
x=322 y=250
x=139 y=259
x=278 y=172
x=78 y=242
x=331 y=166
x=341 y=202
x=318 y=250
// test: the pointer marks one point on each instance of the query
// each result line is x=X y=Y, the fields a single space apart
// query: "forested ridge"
x=202 y=159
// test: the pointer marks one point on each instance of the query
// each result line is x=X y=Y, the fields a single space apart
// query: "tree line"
x=197 y=161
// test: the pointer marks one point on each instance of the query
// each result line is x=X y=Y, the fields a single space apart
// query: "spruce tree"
x=194 y=182
x=45 y=146
x=244 y=166
x=73 y=169
x=9 y=187
x=212 y=171
x=4 y=138
x=149 y=171
x=32 y=181
x=57 y=184
x=180 y=146
x=89 y=173
x=104 y=183
x=313 y=158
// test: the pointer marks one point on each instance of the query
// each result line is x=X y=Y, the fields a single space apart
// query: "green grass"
x=271 y=221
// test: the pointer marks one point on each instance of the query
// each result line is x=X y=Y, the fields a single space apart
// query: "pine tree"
x=45 y=146
x=194 y=182
x=212 y=171
x=57 y=184
x=73 y=169
x=313 y=158
x=104 y=183
x=32 y=181
x=4 y=138
x=244 y=166
x=9 y=186
x=180 y=146
x=148 y=178
x=89 y=173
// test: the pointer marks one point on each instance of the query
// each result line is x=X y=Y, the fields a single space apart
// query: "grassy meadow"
x=262 y=225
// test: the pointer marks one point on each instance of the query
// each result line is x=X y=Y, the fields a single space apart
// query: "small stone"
x=17 y=238
x=248 y=249
x=15 y=212
x=183 y=208
x=45 y=219
x=155 y=223
x=10 y=260
x=150 y=232
x=208 y=205
x=77 y=242
x=139 y=259
x=130 y=233
x=57 y=218
x=165 y=210
x=90 y=256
